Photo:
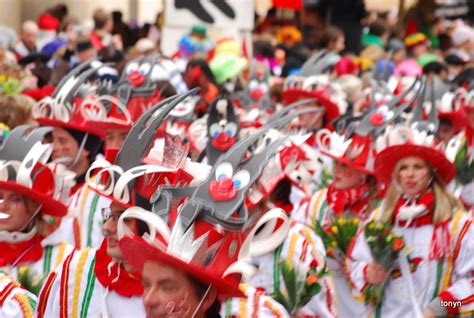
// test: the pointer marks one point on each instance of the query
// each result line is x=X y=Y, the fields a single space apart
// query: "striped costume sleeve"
x=71 y=291
x=256 y=304
x=461 y=263
x=15 y=302
x=312 y=211
x=86 y=209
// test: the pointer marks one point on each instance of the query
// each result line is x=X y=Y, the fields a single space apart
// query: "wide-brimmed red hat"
x=464 y=98
x=76 y=120
x=405 y=142
x=24 y=168
x=63 y=109
x=450 y=109
x=211 y=254
x=355 y=152
x=296 y=161
x=116 y=115
x=297 y=88
x=137 y=252
x=134 y=169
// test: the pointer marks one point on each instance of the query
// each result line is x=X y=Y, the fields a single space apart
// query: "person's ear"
x=210 y=299
x=85 y=154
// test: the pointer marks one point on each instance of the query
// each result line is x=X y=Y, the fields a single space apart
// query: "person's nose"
x=151 y=298
x=110 y=226
x=411 y=173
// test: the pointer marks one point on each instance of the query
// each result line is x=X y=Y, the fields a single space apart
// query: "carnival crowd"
x=325 y=169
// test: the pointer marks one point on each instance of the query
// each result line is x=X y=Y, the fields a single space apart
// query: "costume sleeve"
x=15 y=302
x=68 y=290
x=462 y=278
x=322 y=304
x=358 y=257
x=255 y=304
x=311 y=210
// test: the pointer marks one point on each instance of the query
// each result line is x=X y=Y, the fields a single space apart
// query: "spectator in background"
x=128 y=35
x=421 y=19
x=85 y=49
x=348 y=16
x=101 y=35
x=455 y=65
x=333 y=40
x=48 y=27
x=15 y=110
x=198 y=74
x=8 y=37
x=60 y=12
x=463 y=39
x=397 y=48
x=378 y=33
x=417 y=44
x=436 y=68
x=28 y=38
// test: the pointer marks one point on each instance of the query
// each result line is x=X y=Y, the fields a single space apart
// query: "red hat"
x=464 y=99
x=63 y=109
x=135 y=170
x=48 y=22
x=24 y=168
x=205 y=251
x=49 y=113
x=404 y=142
x=211 y=237
x=356 y=152
x=117 y=116
x=450 y=108
x=296 y=161
x=316 y=87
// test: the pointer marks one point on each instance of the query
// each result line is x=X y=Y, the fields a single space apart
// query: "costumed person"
x=15 y=301
x=328 y=97
x=436 y=267
x=191 y=259
x=461 y=148
x=28 y=38
x=113 y=110
x=452 y=119
x=34 y=193
x=301 y=255
x=198 y=74
x=75 y=141
x=353 y=192
x=100 y=282
x=254 y=101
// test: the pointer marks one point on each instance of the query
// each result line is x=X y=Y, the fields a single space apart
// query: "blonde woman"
x=437 y=274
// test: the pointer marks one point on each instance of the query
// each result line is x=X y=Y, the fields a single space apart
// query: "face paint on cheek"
x=178 y=308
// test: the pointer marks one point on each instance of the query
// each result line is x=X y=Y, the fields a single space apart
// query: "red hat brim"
x=293 y=95
x=348 y=163
x=137 y=252
x=102 y=127
x=50 y=206
x=387 y=159
x=89 y=129
x=458 y=119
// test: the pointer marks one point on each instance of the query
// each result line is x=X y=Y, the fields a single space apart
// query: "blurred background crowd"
x=34 y=57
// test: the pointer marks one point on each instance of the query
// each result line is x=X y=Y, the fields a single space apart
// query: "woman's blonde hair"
x=445 y=204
